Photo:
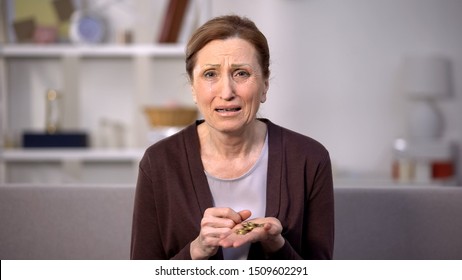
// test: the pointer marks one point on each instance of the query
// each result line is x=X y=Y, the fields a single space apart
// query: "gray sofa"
x=94 y=222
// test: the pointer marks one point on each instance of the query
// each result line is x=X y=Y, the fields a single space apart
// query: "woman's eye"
x=241 y=73
x=210 y=74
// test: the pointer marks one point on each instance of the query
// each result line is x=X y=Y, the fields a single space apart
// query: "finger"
x=215 y=222
x=233 y=216
x=216 y=232
x=211 y=237
x=227 y=213
x=237 y=240
x=272 y=229
x=245 y=214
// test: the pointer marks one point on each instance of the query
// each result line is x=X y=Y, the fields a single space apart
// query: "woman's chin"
x=229 y=126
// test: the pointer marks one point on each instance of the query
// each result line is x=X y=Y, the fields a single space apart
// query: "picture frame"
x=44 y=15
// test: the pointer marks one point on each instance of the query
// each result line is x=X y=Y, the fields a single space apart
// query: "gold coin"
x=248 y=227
x=241 y=231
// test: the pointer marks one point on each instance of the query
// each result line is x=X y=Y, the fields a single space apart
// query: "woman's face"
x=228 y=84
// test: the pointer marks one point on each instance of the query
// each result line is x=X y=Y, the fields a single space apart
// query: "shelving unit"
x=71 y=163
x=89 y=51
x=97 y=81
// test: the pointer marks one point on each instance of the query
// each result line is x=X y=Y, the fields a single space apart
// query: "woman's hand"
x=269 y=235
x=216 y=224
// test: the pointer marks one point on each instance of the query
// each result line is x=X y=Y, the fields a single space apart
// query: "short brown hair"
x=224 y=27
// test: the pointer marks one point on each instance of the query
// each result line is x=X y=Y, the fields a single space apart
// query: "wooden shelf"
x=57 y=51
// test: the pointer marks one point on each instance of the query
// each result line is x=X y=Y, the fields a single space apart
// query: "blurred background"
x=87 y=86
x=377 y=82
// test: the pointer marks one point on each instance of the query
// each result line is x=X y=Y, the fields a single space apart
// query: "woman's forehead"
x=235 y=50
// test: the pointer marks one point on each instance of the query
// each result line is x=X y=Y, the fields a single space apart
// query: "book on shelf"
x=173 y=21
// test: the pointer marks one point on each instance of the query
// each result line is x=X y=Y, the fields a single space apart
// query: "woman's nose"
x=228 y=88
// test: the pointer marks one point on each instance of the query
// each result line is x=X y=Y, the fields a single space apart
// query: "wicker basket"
x=170 y=116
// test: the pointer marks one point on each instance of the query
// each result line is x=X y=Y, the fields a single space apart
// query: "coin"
x=242 y=231
x=248 y=227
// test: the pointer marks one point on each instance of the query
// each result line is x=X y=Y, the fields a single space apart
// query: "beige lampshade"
x=427 y=76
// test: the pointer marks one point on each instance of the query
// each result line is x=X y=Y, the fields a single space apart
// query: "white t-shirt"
x=247 y=192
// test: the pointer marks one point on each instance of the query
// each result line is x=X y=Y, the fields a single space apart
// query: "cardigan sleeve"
x=319 y=219
x=146 y=242
x=286 y=252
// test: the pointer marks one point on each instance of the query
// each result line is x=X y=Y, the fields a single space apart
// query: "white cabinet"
x=99 y=84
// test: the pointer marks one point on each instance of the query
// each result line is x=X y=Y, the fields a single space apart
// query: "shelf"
x=87 y=155
x=96 y=51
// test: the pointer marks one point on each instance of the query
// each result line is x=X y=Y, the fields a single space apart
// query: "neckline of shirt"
x=250 y=171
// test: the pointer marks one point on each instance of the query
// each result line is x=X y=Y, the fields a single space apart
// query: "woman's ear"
x=263 y=98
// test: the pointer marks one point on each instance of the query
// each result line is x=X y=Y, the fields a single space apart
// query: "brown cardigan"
x=172 y=194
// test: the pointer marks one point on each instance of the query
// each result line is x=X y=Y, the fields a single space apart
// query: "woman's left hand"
x=269 y=235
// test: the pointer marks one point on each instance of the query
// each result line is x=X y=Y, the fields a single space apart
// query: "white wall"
x=335 y=69
x=336 y=64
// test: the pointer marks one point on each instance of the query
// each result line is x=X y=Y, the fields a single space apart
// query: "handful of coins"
x=248 y=227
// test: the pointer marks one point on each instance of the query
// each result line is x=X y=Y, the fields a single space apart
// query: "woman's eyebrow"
x=210 y=65
x=240 y=65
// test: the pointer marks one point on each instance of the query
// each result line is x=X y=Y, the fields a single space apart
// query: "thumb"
x=245 y=214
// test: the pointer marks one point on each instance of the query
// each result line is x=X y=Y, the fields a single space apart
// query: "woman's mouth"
x=226 y=110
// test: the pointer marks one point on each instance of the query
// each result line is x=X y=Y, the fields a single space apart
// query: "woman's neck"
x=232 y=145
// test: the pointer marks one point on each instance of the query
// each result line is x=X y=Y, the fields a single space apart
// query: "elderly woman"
x=198 y=190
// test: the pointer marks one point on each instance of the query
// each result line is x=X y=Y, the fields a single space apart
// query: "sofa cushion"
x=65 y=222
x=398 y=222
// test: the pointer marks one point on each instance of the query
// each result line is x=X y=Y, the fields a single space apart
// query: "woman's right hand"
x=216 y=224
